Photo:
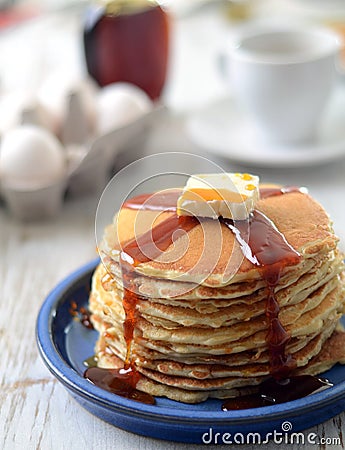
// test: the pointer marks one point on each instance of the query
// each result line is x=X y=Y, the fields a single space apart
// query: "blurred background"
x=58 y=56
x=40 y=36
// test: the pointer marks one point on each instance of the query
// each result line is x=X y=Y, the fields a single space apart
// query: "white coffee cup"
x=284 y=78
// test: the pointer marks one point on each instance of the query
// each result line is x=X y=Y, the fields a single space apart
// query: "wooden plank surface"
x=35 y=410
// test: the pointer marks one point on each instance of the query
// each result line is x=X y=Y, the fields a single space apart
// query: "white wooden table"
x=35 y=410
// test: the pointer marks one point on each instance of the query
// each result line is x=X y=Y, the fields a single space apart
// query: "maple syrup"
x=119 y=381
x=273 y=392
x=123 y=381
x=151 y=244
x=266 y=192
x=272 y=254
x=128 y=40
x=158 y=201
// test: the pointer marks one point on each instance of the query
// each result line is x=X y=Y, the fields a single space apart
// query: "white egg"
x=37 y=114
x=13 y=106
x=119 y=104
x=56 y=89
x=31 y=157
x=10 y=109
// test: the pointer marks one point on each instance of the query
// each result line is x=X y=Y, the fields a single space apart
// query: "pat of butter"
x=230 y=195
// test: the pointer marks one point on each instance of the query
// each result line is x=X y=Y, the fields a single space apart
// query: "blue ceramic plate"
x=64 y=344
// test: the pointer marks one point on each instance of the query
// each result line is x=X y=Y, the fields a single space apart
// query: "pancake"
x=168 y=292
x=303 y=222
x=162 y=386
x=200 y=319
x=222 y=312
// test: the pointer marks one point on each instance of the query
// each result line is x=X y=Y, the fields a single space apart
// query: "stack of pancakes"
x=201 y=331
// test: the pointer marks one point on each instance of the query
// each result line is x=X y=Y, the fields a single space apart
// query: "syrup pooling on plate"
x=119 y=381
x=273 y=392
x=269 y=251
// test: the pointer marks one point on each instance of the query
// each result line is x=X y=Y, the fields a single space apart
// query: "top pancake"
x=209 y=253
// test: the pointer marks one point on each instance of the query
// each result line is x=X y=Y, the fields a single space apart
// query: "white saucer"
x=223 y=129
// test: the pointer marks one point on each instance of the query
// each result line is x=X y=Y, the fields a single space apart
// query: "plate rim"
x=72 y=380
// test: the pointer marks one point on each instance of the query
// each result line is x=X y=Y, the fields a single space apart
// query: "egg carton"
x=88 y=166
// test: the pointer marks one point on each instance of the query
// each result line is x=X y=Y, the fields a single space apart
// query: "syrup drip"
x=147 y=247
x=266 y=192
x=129 y=302
x=151 y=244
x=266 y=247
x=129 y=305
x=122 y=381
x=158 y=201
x=272 y=254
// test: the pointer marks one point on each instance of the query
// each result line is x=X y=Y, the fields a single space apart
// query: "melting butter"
x=230 y=195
